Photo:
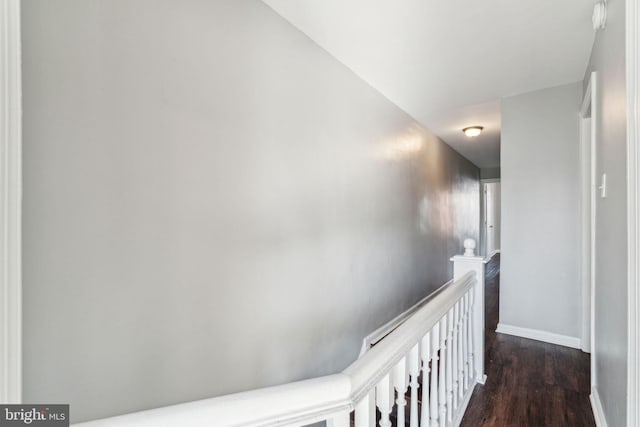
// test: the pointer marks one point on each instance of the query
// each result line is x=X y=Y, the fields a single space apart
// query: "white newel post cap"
x=469 y=247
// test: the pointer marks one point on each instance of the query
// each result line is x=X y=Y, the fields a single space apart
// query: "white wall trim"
x=538 y=335
x=487 y=259
x=482 y=244
x=10 y=203
x=596 y=407
x=463 y=405
x=633 y=210
x=588 y=215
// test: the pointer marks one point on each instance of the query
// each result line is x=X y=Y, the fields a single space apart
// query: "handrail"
x=398 y=343
x=379 y=334
x=309 y=400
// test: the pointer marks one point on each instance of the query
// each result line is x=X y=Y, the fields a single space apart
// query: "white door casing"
x=588 y=124
x=492 y=216
x=633 y=209
x=10 y=203
x=483 y=214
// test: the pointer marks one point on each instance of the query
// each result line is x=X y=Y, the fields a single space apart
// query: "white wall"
x=540 y=174
x=608 y=60
x=212 y=203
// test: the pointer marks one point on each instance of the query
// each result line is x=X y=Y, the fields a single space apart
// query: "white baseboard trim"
x=487 y=259
x=535 y=334
x=596 y=406
x=463 y=405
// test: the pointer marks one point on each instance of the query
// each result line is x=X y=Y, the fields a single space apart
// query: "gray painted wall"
x=212 y=203
x=540 y=255
x=608 y=60
x=489 y=173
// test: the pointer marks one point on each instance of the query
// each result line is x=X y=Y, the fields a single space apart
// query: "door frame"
x=633 y=209
x=483 y=215
x=588 y=123
x=10 y=203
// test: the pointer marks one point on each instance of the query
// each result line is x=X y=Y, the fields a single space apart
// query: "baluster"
x=339 y=420
x=454 y=355
x=470 y=342
x=442 y=394
x=366 y=411
x=435 y=346
x=465 y=331
x=425 y=355
x=449 y=371
x=400 y=384
x=461 y=389
x=414 y=371
x=384 y=400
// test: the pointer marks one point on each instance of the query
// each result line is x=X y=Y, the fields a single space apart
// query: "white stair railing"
x=436 y=354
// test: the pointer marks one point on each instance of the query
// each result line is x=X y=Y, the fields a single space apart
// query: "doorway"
x=490 y=224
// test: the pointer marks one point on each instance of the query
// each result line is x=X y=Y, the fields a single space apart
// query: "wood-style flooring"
x=529 y=383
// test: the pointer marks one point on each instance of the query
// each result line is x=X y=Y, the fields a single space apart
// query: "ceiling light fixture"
x=472 y=131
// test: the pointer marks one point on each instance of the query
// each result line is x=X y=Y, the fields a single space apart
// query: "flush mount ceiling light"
x=472 y=131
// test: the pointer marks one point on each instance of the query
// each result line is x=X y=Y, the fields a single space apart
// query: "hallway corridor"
x=529 y=383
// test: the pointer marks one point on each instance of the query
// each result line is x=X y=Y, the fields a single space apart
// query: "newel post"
x=462 y=264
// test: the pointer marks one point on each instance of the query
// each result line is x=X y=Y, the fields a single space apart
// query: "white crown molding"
x=10 y=203
x=633 y=210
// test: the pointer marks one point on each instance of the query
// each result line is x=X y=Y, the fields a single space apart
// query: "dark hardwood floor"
x=529 y=383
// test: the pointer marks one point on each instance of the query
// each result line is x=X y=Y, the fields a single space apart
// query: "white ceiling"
x=449 y=62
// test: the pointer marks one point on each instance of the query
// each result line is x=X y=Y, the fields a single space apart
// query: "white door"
x=492 y=216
